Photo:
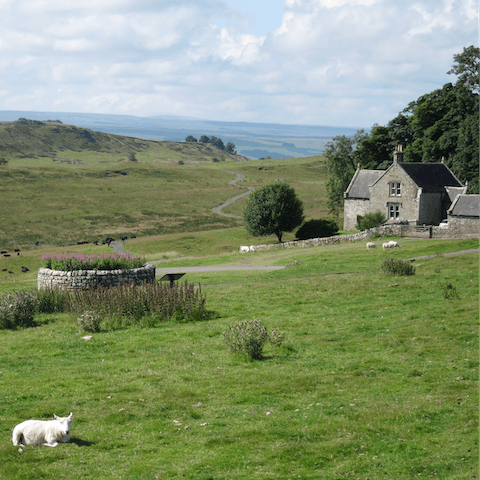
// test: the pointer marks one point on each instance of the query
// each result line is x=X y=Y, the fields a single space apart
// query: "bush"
x=249 y=337
x=392 y=266
x=17 y=309
x=316 y=229
x=51 y=300
x=370 y=220
x=90 y=321
x=450 y=292
x=131 y=304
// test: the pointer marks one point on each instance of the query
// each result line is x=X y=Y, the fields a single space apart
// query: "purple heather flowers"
x=80 y=261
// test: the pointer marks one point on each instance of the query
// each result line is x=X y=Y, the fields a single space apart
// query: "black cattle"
x=133 y=236
x=17 y=250
x=10 y=271
x=95 y=242
x=3 y=251
x=6 y=254
x=25 y=269
x=4 y=270
x=123 y=238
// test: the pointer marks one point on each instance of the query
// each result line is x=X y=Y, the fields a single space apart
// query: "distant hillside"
x=254 y=140
x=56 y=141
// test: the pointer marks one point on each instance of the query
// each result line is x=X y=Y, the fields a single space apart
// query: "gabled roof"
x=465 y=206
x=359 y=186
x=431 y=177
x=454 y=191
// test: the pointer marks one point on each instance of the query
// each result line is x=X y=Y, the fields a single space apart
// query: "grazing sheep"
x=252 y=248
x=391 y=244
x=371 y=245
x=244 y=249
x=39 y=432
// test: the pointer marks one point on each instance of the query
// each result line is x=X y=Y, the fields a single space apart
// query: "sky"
x=350 y=63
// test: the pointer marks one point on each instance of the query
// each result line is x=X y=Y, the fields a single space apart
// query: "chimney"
x=398 y=154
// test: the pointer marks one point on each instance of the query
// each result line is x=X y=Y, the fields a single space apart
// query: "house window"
x=394 y=188
x=394 y=210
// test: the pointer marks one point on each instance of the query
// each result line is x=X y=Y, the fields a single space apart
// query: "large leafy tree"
x=341 y=165
x=273 y=209
x=466 y=67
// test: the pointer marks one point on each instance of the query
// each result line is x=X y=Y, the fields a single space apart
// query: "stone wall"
x=385 y=230
x=82 y=279
x=459 y=228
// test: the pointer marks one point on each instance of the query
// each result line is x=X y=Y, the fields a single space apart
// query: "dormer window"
x=394 y=189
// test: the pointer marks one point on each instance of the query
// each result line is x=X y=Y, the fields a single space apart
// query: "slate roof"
x=431 y=177
x=465 y=206
x=358 y=188
x=454 y=191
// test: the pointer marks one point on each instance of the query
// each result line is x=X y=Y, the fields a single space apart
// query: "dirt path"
x=239 y=178
x=448 y=254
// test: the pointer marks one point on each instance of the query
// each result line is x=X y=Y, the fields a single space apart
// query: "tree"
x=217 y=142
x=230 y=148
x=273 y=209
x=341 y=166
x=190 y=139
x=466 y=66
x=132 y=157
x=204 y=139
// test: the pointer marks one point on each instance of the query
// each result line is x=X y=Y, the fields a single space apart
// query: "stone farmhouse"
x=410 y=193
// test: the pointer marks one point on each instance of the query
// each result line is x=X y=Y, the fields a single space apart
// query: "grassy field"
x=62 y=204
x=378 y=377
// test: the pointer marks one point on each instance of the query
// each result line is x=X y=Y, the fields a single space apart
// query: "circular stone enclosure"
x=84 y=279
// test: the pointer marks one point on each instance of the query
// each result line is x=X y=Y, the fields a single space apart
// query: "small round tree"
x=273 y=209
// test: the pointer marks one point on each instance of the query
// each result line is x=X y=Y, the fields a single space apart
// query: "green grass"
x=378 y=378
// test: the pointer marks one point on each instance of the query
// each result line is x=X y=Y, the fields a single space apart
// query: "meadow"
x=377 y=378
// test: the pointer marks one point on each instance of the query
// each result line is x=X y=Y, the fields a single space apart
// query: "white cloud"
x=344 y=62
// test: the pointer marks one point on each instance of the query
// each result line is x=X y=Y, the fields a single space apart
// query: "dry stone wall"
x=83 y=279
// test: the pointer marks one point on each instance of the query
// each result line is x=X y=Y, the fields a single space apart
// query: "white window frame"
x=394 y=210
x=394 y=189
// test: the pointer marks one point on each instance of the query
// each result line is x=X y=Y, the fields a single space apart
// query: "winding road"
x=233 y=182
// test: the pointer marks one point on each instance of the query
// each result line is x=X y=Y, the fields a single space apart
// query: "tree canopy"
x=273 y=209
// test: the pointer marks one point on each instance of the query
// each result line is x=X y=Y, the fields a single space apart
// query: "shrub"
x=316 y=229
x=249 y=337
x=130 y=304
x=392 y=266
x=370 y=220
x=90 y=321
x=80 y=261
x=450 y=292
x=17 y=310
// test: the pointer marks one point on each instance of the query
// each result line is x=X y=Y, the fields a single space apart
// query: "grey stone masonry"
x=83 y=279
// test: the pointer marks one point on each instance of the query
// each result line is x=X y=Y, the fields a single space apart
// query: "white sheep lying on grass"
x=244 y=249
x=371 y=245
x=40 y=432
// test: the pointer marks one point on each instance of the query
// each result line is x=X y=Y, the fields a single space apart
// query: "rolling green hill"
x=43 y=144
